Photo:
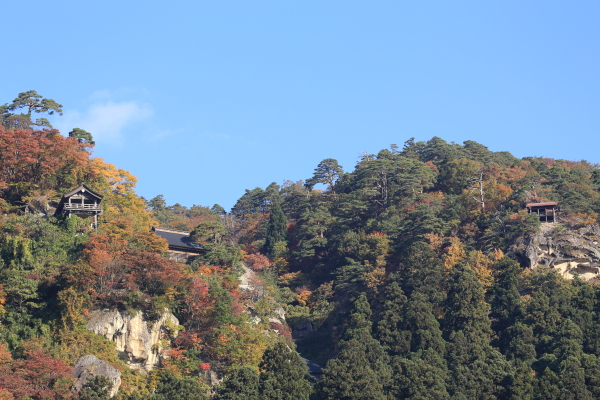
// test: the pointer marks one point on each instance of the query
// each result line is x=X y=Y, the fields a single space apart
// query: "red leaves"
x=38 y=376
x=257 y=262
x=149 y=272
x=41 y=159
x=116 y=272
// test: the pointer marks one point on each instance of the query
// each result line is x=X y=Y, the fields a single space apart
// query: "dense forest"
x=408 y=277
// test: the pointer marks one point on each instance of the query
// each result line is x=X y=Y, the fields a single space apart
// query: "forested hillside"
x=407 y=276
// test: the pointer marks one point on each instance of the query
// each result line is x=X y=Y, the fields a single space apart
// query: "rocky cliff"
x=89 y=366
x=569 y=251
x=139 y=341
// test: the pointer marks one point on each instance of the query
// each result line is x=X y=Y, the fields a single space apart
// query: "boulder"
x=87 y=367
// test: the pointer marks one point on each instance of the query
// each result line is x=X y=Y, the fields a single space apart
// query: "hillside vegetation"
x=405 y=277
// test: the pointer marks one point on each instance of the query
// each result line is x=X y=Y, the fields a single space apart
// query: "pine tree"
x=172 y=387
x=361 y=370
x=283 y=374
x=420 y=323
x=409 y=331
x=504 y=298
x=476 y=370
x=466 y=309
x=394 y=341
x=522 y=344
x=421 y=376
x=240 y=384
x=548 y=386
x=96 y=388
x=522 y=385
x=422 y=272
x=572 y=379
x=277 y=228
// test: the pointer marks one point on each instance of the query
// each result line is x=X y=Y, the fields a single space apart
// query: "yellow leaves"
x=2 y=301
x=119 y=180
x=291 y=278
x=304 y=297
x=482 y=266
x=375 y=278
x=478 y=262
x=454 y=254
x=435 y=241
x=205 y=270
x=171 y=294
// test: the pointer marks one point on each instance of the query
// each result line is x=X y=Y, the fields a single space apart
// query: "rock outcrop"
x=87 y=367
x=138 y=341
x=571 y=252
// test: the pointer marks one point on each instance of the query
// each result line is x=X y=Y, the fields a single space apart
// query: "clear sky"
x=203 y=99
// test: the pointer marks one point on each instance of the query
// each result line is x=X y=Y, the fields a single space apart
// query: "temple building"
x=83 y=202
x=546 y=211
x=181 y=247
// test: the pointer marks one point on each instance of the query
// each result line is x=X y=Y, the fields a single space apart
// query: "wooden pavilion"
x=545 y=211
x=83 y=202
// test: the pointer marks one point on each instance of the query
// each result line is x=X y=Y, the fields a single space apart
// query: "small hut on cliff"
x=545 y=211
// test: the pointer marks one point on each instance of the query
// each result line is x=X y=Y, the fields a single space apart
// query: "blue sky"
x=201 y=100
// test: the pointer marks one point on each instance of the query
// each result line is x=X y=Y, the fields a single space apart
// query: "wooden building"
x=181 y=247
x=545 y=211
x=83 y=202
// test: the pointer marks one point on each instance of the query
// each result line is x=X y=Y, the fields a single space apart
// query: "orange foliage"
x=257 y=262
x=304 y=297
x=455 y=253
x=42 y=159
x=37 y=376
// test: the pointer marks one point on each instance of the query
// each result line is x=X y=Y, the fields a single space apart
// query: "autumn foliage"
x=41 y=160
x=38 y=375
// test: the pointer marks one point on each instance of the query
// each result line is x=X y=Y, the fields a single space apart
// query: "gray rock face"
x=87 y=367
x=302 y=330
x=138 y=341
x=571 y=252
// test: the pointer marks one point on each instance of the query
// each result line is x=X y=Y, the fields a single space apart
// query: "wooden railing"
x=79 y=206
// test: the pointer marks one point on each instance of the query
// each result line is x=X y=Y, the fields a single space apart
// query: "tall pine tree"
x=477 y=371
x=283 y=374
x=240 y=384
x=277 y=228
x=361 y=370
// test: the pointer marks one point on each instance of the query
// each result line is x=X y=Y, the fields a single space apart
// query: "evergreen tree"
x=421 y=376
x=466 y=309
x=548 y=386
x=522 y=385
x=504 y=298
x=421 y=325
x=572 y=378
x=477 y=371
x=283 y=374
x=95 y=388
x=591 y=365
x=240 y=384
x=361 y=370
x=522 y=343
x=422 y=272
x=171 y=387
x=389 y=334
x=277 y=228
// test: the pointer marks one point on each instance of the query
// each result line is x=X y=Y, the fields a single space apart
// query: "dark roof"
x=550 y=203
x=178 y=240
x=83 y=186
